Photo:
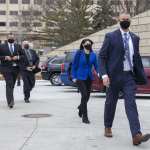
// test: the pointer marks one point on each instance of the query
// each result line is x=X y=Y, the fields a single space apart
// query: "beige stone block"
x=144 y=14
x=3 y=7
x=145 y=42
x=144 y=20
x=145 y=50
x=134 y=21
x=140 y=28
x=144 y=35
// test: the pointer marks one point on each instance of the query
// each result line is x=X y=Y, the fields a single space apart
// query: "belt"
x=127 y=71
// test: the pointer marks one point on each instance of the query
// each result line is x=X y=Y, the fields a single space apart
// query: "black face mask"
x=26 y=46
x=11 y=40
x=125 y=24
x=88 y=46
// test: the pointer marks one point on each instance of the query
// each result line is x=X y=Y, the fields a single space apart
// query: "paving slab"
x=64 y=130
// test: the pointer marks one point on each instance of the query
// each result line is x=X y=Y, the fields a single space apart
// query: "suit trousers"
x=125 y=82
x=10 y=79
x=84 y=87
x=28 y=83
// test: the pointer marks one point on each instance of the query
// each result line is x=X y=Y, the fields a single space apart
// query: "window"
x=57 y=61
x=15 y=13
x=50 y=24
x=13 y=24
x=49 y=2
x=2 y=1
x=37 y=24
x=2 y=12
x=38 y=2
x=25 y=13
x=25 y=24
x=128 y=3
x=91 y=2
x=13 y=1
x=2 y=24
x=117 y=2
x=25 y=1
x=37 y=13
x=69 y=56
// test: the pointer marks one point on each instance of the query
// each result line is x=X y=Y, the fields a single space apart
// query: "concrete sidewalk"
x=64 y=129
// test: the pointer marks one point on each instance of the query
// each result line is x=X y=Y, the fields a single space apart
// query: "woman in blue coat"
x=82 y=66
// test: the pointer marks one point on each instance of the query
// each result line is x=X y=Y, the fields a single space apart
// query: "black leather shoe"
x=27 y=101
x=85 y=120
x=80 y=112
x=11 y=106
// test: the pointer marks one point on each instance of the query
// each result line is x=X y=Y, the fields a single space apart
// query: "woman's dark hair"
x=83 y=41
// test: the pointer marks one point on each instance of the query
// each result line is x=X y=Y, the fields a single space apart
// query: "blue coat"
x=81 y=70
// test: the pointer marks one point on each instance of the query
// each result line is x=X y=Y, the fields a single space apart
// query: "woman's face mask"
x=87 y=45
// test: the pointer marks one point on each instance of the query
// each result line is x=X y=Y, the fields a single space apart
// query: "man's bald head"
x=124 y=16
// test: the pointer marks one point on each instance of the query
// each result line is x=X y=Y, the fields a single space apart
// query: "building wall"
x=7 y=18
x=140 y=25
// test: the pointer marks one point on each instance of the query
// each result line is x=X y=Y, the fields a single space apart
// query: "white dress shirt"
x=131 y=49
x=11 y=44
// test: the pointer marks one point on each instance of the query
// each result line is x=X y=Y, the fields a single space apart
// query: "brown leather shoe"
x=108 y=132
x=139 y=138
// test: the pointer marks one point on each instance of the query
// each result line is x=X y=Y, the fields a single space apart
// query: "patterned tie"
x=127 y=50
x=29 y=57
x=11 y=49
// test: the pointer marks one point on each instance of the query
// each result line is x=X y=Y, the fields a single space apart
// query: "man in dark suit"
x=28 y=66
x=121 y=68
x=10 y=55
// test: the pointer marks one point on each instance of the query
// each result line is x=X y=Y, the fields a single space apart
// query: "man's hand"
x=8 y=58
x=74 y=80
x=15 y=58
x=29 y=68
x=106 y=80
x=33 y=67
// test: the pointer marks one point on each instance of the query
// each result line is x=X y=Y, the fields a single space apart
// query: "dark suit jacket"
x=111 y=57
x=25 y=62
x=4 y=51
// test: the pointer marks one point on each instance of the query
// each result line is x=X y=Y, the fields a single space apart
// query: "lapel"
x=7 y=48
x=27 y=54
x=15 y=49
x=133 y=41
x=120 y=40
x=26 y=59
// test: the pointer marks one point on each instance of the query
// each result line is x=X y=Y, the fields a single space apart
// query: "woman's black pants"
x=84 y=87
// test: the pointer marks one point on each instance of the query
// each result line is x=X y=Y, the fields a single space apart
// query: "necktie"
x=11 y=49
x=127 y=50
x=29 y=57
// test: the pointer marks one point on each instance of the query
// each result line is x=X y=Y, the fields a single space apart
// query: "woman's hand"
x=74 y=80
